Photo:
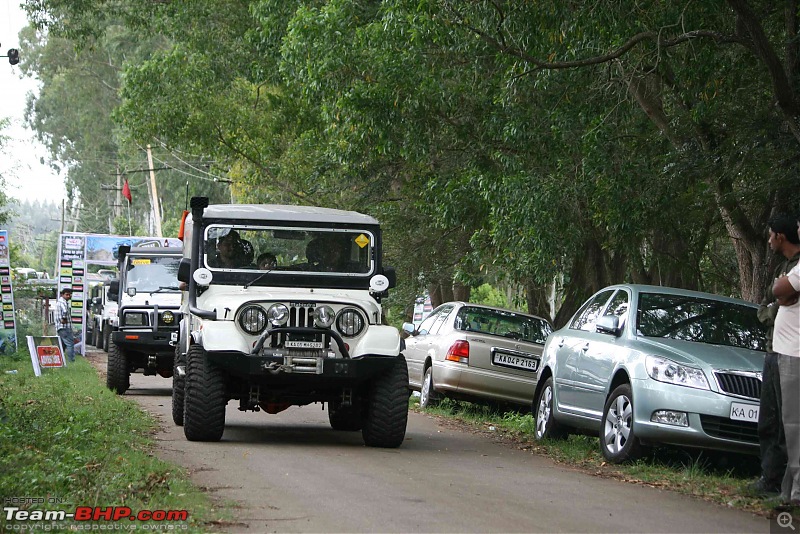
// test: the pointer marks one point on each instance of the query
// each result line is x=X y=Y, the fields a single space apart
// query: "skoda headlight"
x=665 y=370
x=278 y=314
x=253 y=320
x=324 y=316
x=350 y=322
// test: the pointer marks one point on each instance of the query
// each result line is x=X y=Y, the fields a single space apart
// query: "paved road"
x=291 y=473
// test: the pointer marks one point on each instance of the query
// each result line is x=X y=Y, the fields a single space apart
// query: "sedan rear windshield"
x=698 y=319
x=503 y=323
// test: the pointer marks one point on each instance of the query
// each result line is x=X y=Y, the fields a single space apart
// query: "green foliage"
x=490 y=296
x=510 y=142
x=65 y=436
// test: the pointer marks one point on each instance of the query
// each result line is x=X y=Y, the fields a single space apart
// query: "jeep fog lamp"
x=168 y=317
x=669 y=417
x=278 y=314
x=324 y=316
x=350 y=322
x=253 y=320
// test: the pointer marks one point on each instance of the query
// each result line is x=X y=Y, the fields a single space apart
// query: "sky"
x=25 y=176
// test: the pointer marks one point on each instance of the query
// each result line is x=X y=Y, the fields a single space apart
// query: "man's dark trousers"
x=770 y=426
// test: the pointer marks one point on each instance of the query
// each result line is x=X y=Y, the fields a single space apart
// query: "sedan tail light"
x=458 y=352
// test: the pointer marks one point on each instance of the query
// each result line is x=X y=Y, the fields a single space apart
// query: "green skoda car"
x=644 y=365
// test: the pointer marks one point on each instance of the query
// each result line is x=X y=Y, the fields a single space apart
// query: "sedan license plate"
x=516 y=362
x=744 y=412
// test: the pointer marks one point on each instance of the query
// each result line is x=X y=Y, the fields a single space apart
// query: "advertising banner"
x=8 y=328
x=77 y=252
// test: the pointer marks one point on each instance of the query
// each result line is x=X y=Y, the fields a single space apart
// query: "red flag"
x=126 y=191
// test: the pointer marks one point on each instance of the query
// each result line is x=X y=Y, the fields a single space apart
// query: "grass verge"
x=713 y=476
x=66 y=441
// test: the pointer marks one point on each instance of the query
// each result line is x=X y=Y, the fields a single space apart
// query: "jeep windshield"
x=151 y=274
x=289 y=250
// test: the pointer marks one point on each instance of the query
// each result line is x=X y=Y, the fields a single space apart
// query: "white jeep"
x=142 y=334
x=283 y=308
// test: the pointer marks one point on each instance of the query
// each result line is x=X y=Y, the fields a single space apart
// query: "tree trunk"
x=537 y=297
x=461 y=292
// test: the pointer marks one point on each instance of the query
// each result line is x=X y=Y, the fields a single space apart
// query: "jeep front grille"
x=303 y=317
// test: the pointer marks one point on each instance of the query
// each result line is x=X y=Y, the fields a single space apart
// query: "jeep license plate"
x=297 y=344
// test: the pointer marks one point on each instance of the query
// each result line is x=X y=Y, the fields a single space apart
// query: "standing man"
x=786 y=342
x=783 y=241
x=64 y=323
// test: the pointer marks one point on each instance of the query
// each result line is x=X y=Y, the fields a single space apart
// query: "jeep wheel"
x=346 y=418
x=178 y=385
x=106 y=337
x=118 y=377
x=204 y=398
x=387 y=407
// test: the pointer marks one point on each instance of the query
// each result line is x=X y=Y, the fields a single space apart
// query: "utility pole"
x=118 y=201
x=154 y=192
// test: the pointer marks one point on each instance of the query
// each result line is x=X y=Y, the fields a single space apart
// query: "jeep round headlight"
x=278 y=314
x=324 y=316
x=168 y=317
x=253 y=320
x=350 y=322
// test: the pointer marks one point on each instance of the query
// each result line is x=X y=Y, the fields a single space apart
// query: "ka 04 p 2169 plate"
x=515 y=360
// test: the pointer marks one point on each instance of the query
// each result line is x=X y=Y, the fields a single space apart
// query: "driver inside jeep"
x=232 y=252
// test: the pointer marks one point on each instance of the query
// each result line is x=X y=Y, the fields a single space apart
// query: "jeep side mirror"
x=608 y=324
x=113 y=289
x=184 y=270
x=391 y=275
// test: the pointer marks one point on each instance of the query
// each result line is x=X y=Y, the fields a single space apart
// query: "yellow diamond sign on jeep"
x=362 y=241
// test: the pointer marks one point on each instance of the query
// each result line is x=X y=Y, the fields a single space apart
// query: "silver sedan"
x=473 y=352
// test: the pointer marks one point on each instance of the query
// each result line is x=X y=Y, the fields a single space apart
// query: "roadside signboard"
x=46 y=353
x=8 y=328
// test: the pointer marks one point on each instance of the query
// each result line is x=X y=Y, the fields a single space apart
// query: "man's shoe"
x=762 y=488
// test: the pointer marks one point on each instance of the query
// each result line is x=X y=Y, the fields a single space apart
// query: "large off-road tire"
x=427 y=394
x=618 y=440
x=386 y=414
x=347 y=418
x=107 y=337
x=118 y=376
x=543 y=406
x=178 y=387
x=204 y=398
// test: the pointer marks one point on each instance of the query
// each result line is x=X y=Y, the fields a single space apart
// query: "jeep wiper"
x=165 y=288
x=257 y=278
